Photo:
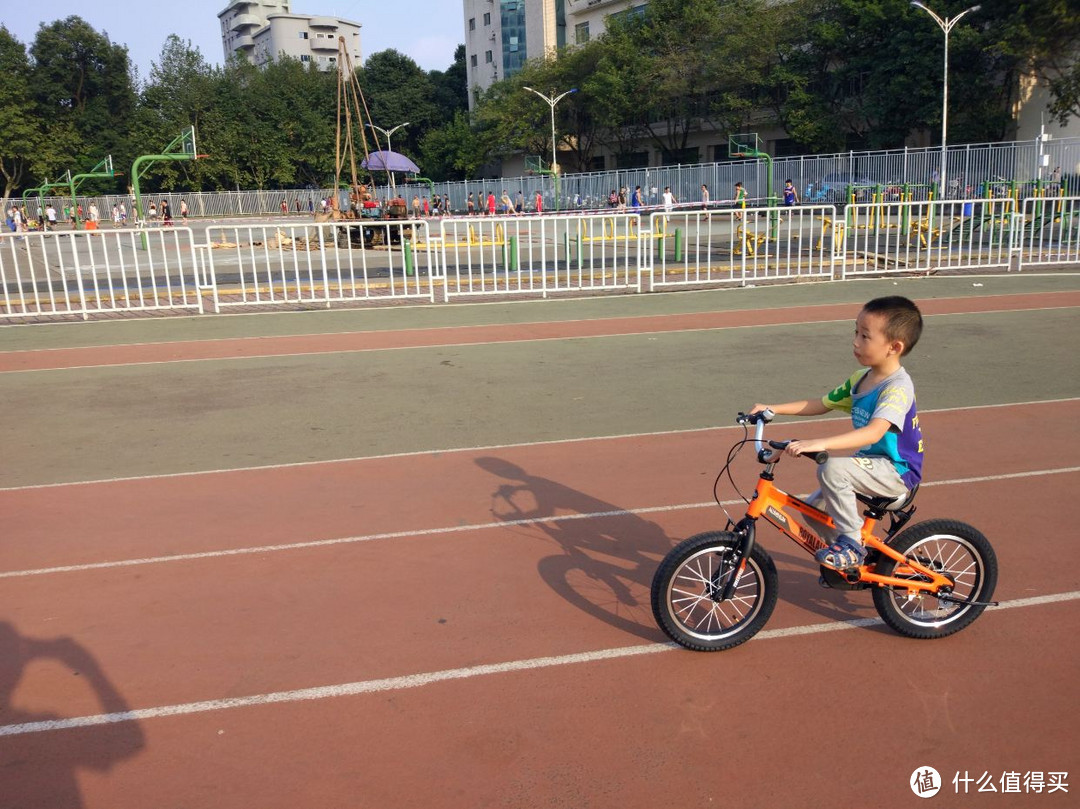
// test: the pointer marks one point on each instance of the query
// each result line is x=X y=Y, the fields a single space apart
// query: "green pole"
x=430 y=184
x=513 y=253
x=100 y=170
x=678 y=244
x=408 y=251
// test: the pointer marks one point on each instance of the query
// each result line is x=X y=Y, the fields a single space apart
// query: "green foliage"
x=82 y=80
x=23 y=134
x=454 y=149
x=833 y=73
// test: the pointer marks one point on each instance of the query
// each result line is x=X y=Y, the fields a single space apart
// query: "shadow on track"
x=39 y=768
x=604 y=565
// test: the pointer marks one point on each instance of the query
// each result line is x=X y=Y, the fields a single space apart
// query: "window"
x=487 y=57
x=303 y=35
x=305 y=57
x=472 y=23
x=487 y=18
x=581 y=33
x=472 y=60
x=632 y=160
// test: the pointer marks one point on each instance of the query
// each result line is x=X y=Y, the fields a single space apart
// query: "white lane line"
x=430 y=678
x=493 y=447
x=499 y=325
x=483 y=343
x=457 y=529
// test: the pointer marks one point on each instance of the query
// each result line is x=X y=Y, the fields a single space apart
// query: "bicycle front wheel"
x=956 y=550
x=687 y=586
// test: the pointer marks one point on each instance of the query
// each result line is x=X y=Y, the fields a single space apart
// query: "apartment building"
x=264 y=30
x=500 y=35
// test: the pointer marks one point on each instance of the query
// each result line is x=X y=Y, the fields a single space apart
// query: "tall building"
x=264 y=30
x=501 y=35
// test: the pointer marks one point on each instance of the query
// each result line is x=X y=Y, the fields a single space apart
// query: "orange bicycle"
x=716 y=590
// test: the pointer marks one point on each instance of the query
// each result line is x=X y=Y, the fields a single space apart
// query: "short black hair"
x=903 y=320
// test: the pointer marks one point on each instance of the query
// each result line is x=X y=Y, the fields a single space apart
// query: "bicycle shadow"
x=40 y=768
x=605 y=562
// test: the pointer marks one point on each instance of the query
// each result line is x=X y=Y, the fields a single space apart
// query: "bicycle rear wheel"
x=954 y=549
x=687 y=586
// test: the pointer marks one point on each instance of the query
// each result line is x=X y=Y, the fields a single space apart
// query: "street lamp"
x=552 y=102
x=946 y=25
x=386 y=134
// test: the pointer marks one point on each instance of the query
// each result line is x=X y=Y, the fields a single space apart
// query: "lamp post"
x=552 y=102
x=386 y=134
x=946 y=26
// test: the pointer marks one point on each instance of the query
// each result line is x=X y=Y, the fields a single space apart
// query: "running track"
x=471 y=627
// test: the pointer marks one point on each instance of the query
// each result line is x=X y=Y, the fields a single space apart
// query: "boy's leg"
x=841 y=478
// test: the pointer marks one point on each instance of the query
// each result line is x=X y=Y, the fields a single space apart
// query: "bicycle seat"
x=888 y=503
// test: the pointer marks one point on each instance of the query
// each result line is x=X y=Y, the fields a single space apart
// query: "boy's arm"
x=805 y=407
x=853 y=439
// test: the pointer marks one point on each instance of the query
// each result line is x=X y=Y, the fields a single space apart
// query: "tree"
x=453 y=150
x=450 y=87
x=82 y=80
x=22 y=133
x=396 y=91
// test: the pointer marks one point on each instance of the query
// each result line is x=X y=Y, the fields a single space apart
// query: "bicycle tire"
x=684 y=589
x=956 y=549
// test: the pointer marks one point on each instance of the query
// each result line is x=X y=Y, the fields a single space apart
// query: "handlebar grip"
x=765 y=415
x=817 y=457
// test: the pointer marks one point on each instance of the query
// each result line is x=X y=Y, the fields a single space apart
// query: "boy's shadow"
x=38 y=767
x=606 y=557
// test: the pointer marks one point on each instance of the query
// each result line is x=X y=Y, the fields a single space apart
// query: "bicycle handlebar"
x=762 y=418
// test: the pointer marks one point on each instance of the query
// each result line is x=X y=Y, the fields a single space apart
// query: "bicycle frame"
x=771 y=503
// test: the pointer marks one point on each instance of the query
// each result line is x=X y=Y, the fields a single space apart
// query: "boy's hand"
x=759 y=407
x=797 y=448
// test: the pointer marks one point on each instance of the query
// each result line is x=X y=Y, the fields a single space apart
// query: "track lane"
x=161 y=516
x=252 y=624
x=294 y=345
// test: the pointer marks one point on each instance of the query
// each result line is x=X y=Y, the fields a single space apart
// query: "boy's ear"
x=898 y=347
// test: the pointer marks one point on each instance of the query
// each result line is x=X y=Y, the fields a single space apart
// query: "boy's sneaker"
x=844 y=554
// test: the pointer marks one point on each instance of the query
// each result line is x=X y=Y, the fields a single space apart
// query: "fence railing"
x=540 y=255
x=94 y=272
x=1018 y=169
x=948 y=234
x=86 y=273
x=324 y=262
x=726 y=246
x=1049 y=231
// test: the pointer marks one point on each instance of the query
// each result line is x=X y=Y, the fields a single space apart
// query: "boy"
x=881 y=400
x=791 y=196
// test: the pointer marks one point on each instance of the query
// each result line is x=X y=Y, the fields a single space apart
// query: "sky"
x=426 y=30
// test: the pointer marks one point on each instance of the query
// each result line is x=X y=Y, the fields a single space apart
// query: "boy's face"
x=871 y=347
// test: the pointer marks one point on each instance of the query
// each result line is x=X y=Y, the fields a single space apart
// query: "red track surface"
x=469 y=335
x=475 y=573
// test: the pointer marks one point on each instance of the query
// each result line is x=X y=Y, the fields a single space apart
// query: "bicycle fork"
x=745 y=531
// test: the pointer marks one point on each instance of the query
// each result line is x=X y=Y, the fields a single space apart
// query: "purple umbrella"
x=389 y=161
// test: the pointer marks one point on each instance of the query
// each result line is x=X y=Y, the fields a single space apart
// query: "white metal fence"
x=1018 y=169
x=730 y=246
x=94 y=272
x=1050 y=231
x=540 y=255
x=952 y=234
x=326 y=262
x=86 y=273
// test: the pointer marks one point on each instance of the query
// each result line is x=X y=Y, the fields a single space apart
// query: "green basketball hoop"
x=534 y=164
x=746 y=144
